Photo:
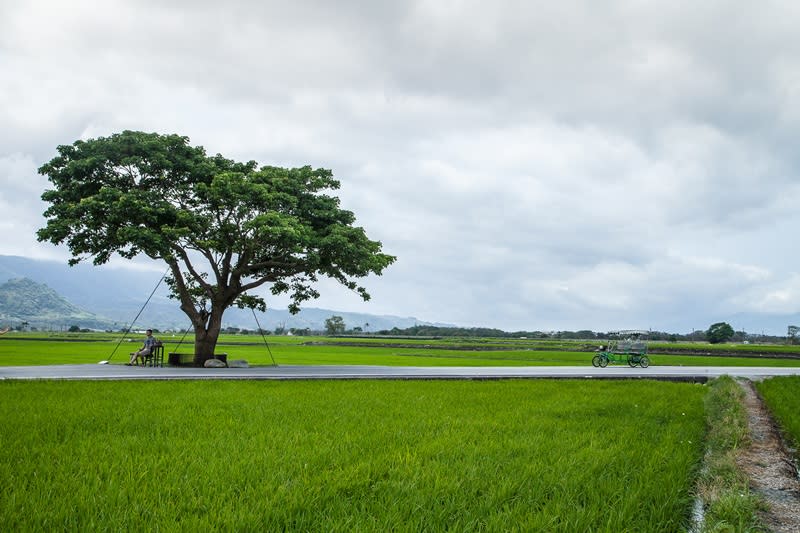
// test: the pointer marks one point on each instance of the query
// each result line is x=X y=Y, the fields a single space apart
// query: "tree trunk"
x=205 y=338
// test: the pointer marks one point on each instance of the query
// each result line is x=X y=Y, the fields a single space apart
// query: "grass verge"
x=723 y=488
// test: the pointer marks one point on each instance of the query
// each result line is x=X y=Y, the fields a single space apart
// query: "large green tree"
x=791 y=333
x=334 y=325
x=223 y=227
x=719 y=333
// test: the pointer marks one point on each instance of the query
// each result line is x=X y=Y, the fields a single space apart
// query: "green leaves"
x=239 y=224
x=719 y=332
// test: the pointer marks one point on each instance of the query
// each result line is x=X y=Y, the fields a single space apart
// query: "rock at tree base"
x=214 y=363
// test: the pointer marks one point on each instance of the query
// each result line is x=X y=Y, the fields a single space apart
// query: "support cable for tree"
x=128 y=329
x=263 y=337
x=182 y=338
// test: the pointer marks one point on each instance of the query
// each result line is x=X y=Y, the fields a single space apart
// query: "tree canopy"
x=222 y=227
x=719 y=333
x=335 y=325
x=791 y=333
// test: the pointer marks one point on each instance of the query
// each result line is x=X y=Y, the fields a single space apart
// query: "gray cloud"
x=533 y=165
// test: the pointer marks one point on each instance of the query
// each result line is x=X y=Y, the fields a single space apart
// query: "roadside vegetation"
x=729 y=504
x=782 y=396
x=344 y=456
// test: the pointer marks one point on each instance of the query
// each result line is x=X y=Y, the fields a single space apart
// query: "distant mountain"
x=113 y=297
x=23 y=300
x=110 y=298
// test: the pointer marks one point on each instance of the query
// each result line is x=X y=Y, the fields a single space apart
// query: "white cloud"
x=21 y=207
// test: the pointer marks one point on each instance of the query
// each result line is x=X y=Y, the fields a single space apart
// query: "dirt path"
x=769 y=465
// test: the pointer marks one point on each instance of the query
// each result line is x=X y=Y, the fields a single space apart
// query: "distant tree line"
x=720 y=332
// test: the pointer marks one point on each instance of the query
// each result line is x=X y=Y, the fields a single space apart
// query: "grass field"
x=782 y=396
x=63 y=348
x=349 y=456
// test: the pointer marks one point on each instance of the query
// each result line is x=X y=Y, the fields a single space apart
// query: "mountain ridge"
x=112 y=297
x=117 y=295
x=25 y=301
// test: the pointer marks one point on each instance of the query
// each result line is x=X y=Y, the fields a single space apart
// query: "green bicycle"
x=632 y=349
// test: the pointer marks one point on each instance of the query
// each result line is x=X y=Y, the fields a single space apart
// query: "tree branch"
x=290 y=266
x=187 y=304
x=257 y=283
x=197 y=277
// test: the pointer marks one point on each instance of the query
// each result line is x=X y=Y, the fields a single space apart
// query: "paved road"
x=121 y=372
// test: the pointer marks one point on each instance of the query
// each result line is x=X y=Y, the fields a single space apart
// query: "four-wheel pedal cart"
x=627 y=346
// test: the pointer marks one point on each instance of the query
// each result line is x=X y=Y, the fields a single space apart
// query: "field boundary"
x=769 y=465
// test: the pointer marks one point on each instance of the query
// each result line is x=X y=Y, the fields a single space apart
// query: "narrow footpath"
x=773 y=474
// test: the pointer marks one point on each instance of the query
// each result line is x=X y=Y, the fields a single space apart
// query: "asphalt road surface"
x=122 y=372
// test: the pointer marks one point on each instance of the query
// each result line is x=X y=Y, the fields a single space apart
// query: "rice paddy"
x=46 y=349
x=364 y=456
x=782 y=395
x=349 y=456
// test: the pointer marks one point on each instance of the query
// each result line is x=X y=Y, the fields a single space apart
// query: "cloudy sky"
x=533 y=165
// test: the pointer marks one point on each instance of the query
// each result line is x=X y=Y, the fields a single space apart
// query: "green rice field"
x=782 y=395
x=518 y=455
x=63 y=348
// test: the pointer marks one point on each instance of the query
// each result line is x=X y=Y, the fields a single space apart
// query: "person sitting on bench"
x=145 y=350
